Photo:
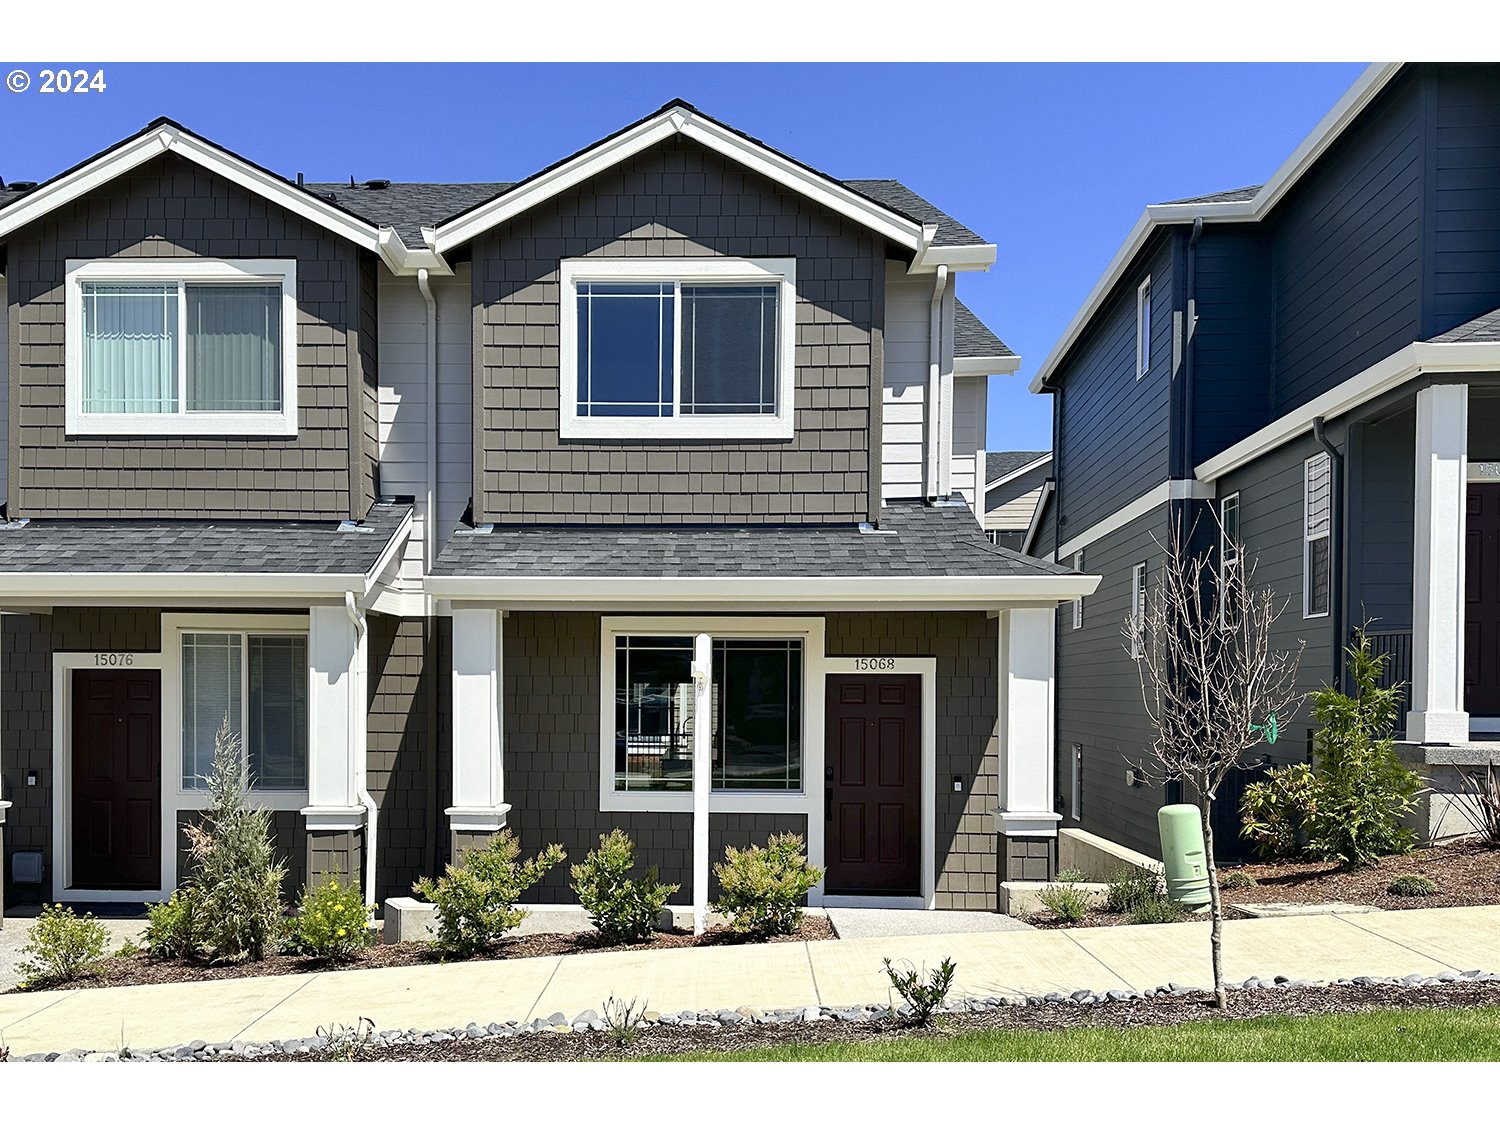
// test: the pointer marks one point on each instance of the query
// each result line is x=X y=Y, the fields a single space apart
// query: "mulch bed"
x=1160 y=1011
x=141 y=969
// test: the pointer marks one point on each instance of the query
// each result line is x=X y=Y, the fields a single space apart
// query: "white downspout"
x=429 y=517
x=361 y=753
x=934 y=382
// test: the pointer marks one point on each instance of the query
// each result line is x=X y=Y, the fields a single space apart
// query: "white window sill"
x=276 y=800
x=770 y=801
x=723 y=427
x=205 y=424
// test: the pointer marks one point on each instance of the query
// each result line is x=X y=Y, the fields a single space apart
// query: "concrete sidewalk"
x=1325 y=947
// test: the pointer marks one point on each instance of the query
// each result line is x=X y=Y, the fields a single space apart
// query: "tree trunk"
x=1215 y=905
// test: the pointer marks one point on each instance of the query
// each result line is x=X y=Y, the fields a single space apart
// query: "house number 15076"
x=114 y=659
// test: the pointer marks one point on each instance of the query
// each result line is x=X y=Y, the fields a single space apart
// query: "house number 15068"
x=874 y=663
x=114 y=659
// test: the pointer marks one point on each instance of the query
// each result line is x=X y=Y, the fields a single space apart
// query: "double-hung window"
x=181 y=346
x=677 y=348
x=257 y=684
x=1317 y=534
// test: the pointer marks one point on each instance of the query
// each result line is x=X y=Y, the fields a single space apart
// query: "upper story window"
x=683 y=348
x=1317 y=534
x=1143 y=328
x=1137 y=610
x=181 y=346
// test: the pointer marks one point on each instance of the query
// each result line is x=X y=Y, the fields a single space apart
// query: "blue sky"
x=1053 y=162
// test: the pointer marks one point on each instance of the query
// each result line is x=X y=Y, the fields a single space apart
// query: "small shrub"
x=924 y=997
x=1130 y=887
x=127 y=948
x=1479 y=803
x=476 y=899
x=346 y=1044
x=761 y=889
x=169 y=927
x=622 y=1021
x=332 y=922
x=621 y=908
x=61 y=947
x=1237 y=881
x=1275 y=810
x=1070 y=875
x=1152 y=910
x=1065 y=900
x=1413 y=886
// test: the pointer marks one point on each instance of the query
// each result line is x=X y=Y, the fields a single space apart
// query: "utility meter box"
x=1183 y=854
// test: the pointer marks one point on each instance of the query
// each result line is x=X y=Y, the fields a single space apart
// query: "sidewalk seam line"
x=552 y=976
x=1393 y=941
x=61 y=996
x=241 y=1033
x=812 y=972
x=1107 y=967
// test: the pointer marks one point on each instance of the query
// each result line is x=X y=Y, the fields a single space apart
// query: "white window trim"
x=278 y=271
x=1229 y=555
x=759 y=271
x=1137 y=608
x=1308 y=538
x=1078 y=604
x=1075 y=787
x=809 y=630
x=1143 y=328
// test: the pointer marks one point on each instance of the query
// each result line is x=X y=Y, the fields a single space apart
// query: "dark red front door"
x=874 y=748
x=116 y=779
x=1482 y=593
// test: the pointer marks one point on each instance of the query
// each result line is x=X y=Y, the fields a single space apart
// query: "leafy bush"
x=761 y=889
x=169 y=927
x=1130 y=887
x=1413 y=886
x=1156 y=909
x=924 y=997
x=1070 y=875
x=1237 y=881
x=621 y=908
x=476 y=899
x=332 y=922
x=1275 y=810
x=235 y=881
x=61 y=947
x=1065 y=900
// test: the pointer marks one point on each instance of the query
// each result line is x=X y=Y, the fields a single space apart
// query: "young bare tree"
x=1212 y=680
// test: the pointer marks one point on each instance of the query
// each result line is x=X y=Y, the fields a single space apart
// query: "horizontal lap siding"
x=903 y=414
x=674 y=200
x=1012 y=505
x=1099 y=703
x=1381 y=520
x=1466 y=204
x=1114 y=431
x=172 y=208
x=1232 y=339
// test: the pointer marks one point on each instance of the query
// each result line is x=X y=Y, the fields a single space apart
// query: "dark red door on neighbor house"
x=116 y=779
x=1482 y=593
x=874 y=778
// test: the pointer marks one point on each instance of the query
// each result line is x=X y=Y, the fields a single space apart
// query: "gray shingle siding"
x=170 y=207
x=674 y=200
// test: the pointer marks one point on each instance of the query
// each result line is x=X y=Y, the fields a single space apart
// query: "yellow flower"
x=341 y=931
x=337 y=907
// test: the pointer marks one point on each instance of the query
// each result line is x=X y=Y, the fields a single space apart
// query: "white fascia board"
x=885 y=222
x=165 y=138
x=1048 y=487
x=810 y=592
x=970 y=365
x=1412 y=361
x=1348 y=107
x=973 y=256
x=1147 y=502
x=1022 y=471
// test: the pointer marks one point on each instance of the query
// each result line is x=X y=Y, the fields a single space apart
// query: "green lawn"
x=1412 y=1035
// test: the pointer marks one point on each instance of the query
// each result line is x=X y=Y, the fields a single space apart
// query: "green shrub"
x=1070 y=875
x=925 y=997
x=61 y=947
x=1131 y=886
x=332 y=922
x=1275 y=810
x=761 y=889
x=1413 y=886
x=169 y=927
x=476 y=899
x=621 y=908
x=1237 y=881
x=235 y=880
x=1065 y=900
x=1157 y=909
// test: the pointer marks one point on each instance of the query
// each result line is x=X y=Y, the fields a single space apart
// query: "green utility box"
x=1183 y=854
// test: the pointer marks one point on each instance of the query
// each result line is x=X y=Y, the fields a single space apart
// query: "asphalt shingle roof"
x=408 y=207
x=972 y=337
x=1481 y=330
x=997 y=465
x=914 y=540
x=1233 y=195
x=893 y=193
x=187 y=547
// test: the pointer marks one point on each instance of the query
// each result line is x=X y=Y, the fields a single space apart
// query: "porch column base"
x=1437 y=726
x=471 y=828
x=1028 y=845
x=337 y=853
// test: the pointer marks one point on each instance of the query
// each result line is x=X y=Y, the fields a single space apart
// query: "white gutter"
x=360 y=763
x=934 y=382
x=429 y=517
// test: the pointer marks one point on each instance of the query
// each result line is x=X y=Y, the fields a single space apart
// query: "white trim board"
x=1416 y=359
x=1049 y=486
x=1348 y=107
x=1166 y=491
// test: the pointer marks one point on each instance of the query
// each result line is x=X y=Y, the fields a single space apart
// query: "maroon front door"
x=874 y=778
x=1482 y=593
x=116 y=779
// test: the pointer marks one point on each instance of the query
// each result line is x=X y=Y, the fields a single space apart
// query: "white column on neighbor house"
x=478 y=726
x=703 y=733
x=1437 y=639
x=337 y=716
x=1026 y=723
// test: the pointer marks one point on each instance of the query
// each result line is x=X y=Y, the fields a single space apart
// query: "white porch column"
x=703 y=728
x=478 y=731
x=336 y=653
x=1026 y=817
x=1437 y=652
